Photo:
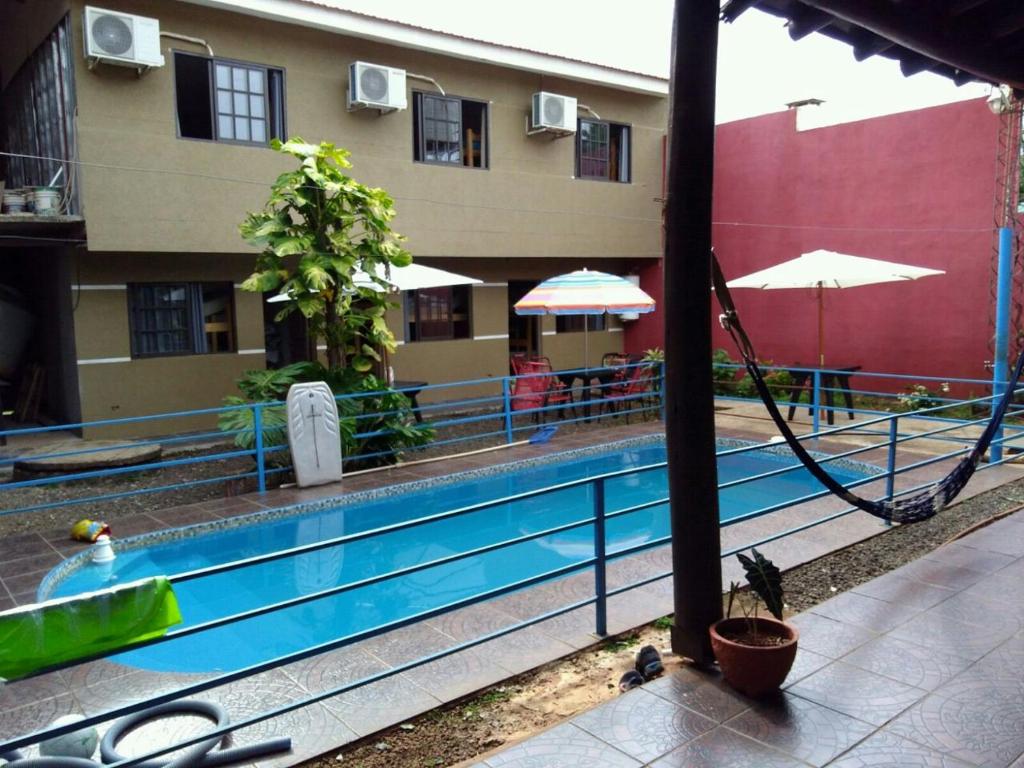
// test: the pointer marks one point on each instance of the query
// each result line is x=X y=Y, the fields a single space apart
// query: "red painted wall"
x=916 y=187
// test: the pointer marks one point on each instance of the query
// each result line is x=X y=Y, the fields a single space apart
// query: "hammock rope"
x=913 y=509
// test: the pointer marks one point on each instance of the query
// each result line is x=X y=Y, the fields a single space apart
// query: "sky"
x=760 y=68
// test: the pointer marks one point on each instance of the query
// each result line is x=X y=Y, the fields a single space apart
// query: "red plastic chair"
x=531 y=391
x=635 y=388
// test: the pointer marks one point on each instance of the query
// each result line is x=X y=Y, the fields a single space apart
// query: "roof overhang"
x=319 y=16
x=961 y=39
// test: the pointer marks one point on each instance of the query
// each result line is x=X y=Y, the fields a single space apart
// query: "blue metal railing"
x=597 y=562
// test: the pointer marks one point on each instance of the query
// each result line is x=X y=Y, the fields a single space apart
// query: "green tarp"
x=37 y=636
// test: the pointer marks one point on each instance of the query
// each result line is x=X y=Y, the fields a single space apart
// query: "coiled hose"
x=199 y=755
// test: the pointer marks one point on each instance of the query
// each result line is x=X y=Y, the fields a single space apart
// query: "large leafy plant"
x=318 y=231
x=366 y=406
x=765 y=581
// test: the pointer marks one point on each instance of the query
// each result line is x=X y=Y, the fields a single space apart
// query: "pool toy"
x=89 y=530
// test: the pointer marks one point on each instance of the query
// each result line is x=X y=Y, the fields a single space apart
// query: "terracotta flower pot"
x=754 y=670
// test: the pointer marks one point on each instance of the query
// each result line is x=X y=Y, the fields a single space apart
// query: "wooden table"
x=604 y=375
x=831 y=378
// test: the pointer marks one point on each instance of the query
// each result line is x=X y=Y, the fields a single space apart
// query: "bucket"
x=46 y=201
x=14 y=201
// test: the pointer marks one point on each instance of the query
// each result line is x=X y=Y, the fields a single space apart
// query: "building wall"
x=194 y=193
x=25 y=25
x=916 y=187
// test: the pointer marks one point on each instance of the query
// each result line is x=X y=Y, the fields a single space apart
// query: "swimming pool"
x=265 y=637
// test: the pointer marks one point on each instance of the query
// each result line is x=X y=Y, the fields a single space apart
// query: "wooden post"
x=689 y=413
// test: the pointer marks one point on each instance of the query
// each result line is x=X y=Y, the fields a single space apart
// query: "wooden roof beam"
x=914 y=32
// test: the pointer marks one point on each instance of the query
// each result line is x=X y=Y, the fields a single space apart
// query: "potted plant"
x=755 y=652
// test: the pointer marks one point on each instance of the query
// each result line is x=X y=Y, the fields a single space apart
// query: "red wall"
x=916 y=187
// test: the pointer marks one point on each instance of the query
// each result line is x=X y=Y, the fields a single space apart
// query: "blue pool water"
x=241 y=644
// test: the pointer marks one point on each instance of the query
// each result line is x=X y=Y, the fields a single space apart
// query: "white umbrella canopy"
x=410 y=278
x=827 y=269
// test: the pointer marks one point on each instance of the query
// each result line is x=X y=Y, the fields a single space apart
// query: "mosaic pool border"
x=60 y=572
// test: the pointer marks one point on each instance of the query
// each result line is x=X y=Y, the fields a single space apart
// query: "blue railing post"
x=600 y=582
x=890 y=467
x=661 y=389
x=816 y=399
x=506 y=404
x=261 y=464
x=1000 y=371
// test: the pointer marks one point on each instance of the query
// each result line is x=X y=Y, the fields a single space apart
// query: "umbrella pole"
x=821 y=325
x=586 y=342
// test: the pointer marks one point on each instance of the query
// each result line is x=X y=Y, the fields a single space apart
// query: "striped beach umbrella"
x=584 y=292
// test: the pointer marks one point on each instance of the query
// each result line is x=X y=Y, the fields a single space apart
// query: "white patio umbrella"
x=827 y=269
x=410 y=278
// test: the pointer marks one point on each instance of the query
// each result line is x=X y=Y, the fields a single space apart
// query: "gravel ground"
x=544 y=697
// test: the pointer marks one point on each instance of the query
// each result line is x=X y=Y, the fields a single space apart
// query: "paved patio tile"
x=21 y=693
x=42 y=561
x=978 y=721
x=966 y=556
x=887 y=749
x=19 y=721
x=938 y=631
x=365 y=709
x=565 y=746
x=830 y=637
x=858 y=693
x=862 y=611
x=703 y=692
x=907 y=661
x=904 y=592
x=801 y=728
x=940 y=574
x=981 y=610
x=643 y=725
x=806 y=663
x=722 y=748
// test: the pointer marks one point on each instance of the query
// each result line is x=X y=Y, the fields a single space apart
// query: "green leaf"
x=261 y=282
x=361 y=363
x=765 y=579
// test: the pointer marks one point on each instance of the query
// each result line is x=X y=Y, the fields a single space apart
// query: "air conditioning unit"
x=373 y=86
x=122 y=38
x=553 y=113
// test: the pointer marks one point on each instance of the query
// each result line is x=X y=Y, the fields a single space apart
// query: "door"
x=523 y=330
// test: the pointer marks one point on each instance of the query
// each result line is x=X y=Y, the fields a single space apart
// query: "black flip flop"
x=648 y=662
x=630 y=680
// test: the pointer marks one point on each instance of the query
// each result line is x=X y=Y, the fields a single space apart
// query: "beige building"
x=136 y=291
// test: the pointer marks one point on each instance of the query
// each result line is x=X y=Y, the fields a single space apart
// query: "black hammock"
x=919 y=507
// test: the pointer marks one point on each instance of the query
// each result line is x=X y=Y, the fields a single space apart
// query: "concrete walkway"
x=919 y=667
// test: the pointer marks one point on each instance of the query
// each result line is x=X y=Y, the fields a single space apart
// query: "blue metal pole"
x=261 y=464
x=600 y=582
x=890 y=476
x=1002 y=340
x=816 y=400
x=506 y=397
x=661 y=389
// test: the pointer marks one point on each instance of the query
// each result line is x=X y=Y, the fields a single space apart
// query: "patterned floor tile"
x=886 y=750
x=829 y=637
x=904 y=592
x=643 y=725
x=24 y=692
x=369 y=708
x=935 y=630
x=565 y=746
x=908 y=662
x=980 y=610
x=977 y=721
x=863 y=611
x=806 y=663
x=34 y=717
x=801 y=728
x=970 y=557
x=722 y=748
x=858 y=693
x=703 y=692
x=940 y=574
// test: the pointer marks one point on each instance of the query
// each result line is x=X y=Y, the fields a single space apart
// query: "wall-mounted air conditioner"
x=122 y=38
x=553 y=113
x=373 y=86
